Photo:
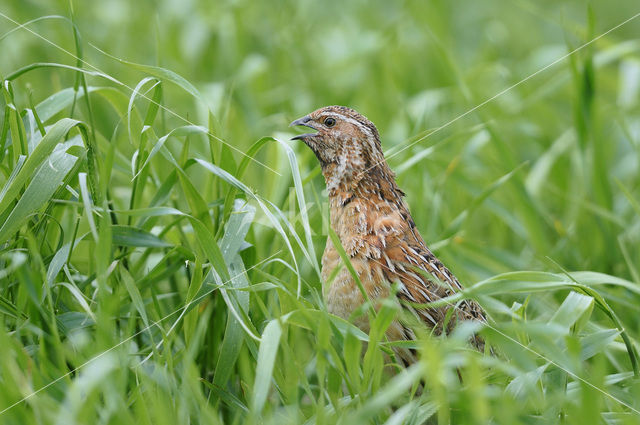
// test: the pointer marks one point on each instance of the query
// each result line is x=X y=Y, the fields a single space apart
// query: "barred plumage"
x=372 y=220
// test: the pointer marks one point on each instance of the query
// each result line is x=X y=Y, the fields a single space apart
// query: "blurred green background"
x=541 y=180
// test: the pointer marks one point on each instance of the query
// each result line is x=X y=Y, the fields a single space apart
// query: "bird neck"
x=345 y=184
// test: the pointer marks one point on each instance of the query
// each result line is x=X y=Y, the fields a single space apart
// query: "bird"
x=369 y=215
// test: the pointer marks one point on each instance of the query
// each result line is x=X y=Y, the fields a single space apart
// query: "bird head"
x=346 y=143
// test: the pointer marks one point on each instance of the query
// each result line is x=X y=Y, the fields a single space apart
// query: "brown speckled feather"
x=375 y=227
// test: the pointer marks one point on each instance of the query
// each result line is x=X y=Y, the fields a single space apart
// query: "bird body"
x=374 y=225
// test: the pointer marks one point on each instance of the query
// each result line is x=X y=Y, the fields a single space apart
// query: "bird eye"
x=329 y=122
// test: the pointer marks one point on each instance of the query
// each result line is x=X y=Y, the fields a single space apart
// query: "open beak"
x=306 y=121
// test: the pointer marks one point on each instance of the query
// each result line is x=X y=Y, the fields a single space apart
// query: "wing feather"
x=423 y=277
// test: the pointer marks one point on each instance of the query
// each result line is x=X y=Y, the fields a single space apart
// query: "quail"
x=374 y=225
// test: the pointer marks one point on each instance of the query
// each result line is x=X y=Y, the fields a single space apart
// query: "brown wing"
x=406 y=259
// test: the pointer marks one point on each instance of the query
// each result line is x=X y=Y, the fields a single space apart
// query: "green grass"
x=160 y=236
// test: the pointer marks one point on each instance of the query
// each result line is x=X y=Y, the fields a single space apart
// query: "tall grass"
x=160 y=236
